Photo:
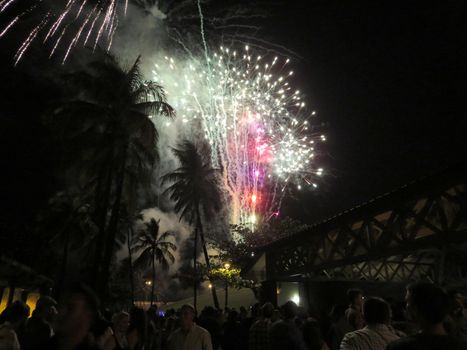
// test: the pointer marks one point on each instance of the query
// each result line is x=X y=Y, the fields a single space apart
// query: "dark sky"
x=388 y=79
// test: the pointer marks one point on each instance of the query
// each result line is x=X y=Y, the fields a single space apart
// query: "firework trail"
x=256 y=124
x=67 y=21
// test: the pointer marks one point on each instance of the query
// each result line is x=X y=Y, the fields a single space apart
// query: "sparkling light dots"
x=67 y=23
x=257 y=125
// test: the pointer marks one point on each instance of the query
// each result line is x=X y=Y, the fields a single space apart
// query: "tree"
x=154 y=247
x=241 y=250
x=230 y=277
x=106 y=124
x=68 y=223
x=195 y=190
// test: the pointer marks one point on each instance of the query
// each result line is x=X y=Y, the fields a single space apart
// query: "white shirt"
x=8 y=338
x=371 y=337
x=197 y=338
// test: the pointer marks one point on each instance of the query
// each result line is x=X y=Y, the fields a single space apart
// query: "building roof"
x=436 y=181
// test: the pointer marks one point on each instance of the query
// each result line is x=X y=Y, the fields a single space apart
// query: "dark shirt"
x=214 y=329
x=52 y=344
x=285 y=335
x=37 y=333
x=427 y=342
x=233 y=336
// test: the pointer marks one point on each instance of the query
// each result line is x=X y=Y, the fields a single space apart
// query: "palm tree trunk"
x=113 y=225
x=132 y=283
x=153 y=276
x=206 y=257
x=195 y=277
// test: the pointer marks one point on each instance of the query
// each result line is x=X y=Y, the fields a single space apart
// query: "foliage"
x=194 y=185
x=195 y=190
x=105 y=127
x=153 y=246
x=230 y=276
x=242 y=248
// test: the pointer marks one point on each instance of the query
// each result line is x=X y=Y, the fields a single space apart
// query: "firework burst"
x=72 y=21
x=257 y=125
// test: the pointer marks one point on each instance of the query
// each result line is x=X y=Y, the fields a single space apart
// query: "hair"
x=16 y=312
x=190 y=307
x=337 y=312
x=44 y=303
x=429 y=300
x=90 y=298
x=255 y=310
x=267 y=310
x=399 y=311
x=376 y=311
x=352 y=294
x=152 y=312
x=232 y=316
x=119 y=315
x=289 y=310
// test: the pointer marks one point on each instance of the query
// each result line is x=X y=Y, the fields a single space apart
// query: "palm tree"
x=68 y=224
x=154 y=247
x=194 y=189
x=107 y=124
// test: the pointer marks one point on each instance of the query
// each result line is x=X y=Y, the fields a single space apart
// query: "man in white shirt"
x=377 y=334
x=189 y=336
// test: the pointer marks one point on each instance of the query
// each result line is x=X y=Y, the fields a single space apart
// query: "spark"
x=67 y=23
x=260 y=138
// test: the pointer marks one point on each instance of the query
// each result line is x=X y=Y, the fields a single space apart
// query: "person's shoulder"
x=174 y=333
x=403 y=343
x=201 y=329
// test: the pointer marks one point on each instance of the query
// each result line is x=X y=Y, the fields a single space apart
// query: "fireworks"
x=257 y=125
x=71 y=21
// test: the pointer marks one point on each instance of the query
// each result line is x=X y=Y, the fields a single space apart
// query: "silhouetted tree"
x=154 y=246
x=194 y=189
x=107 y=125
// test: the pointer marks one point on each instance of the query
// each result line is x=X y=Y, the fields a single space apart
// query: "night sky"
x=387 y=78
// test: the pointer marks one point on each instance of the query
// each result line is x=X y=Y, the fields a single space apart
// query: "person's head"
x=456 y=303
x=267 y=310
x=187 y=316
x=255 y=310
x=276 y=315
x=46 y=308
x=121 y=322
x=152 y=312
x=16 y=314
x=209 y=312
x=337 y=312
x=243 y=312
x=427 y=303
x=399 y=311
x=376 y=311
x=78 y=311
x=101 y=332
x=355 y=297
x=233 y=316
x=289 y=310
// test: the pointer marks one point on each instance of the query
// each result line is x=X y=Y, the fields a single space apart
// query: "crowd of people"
x=430 y=318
